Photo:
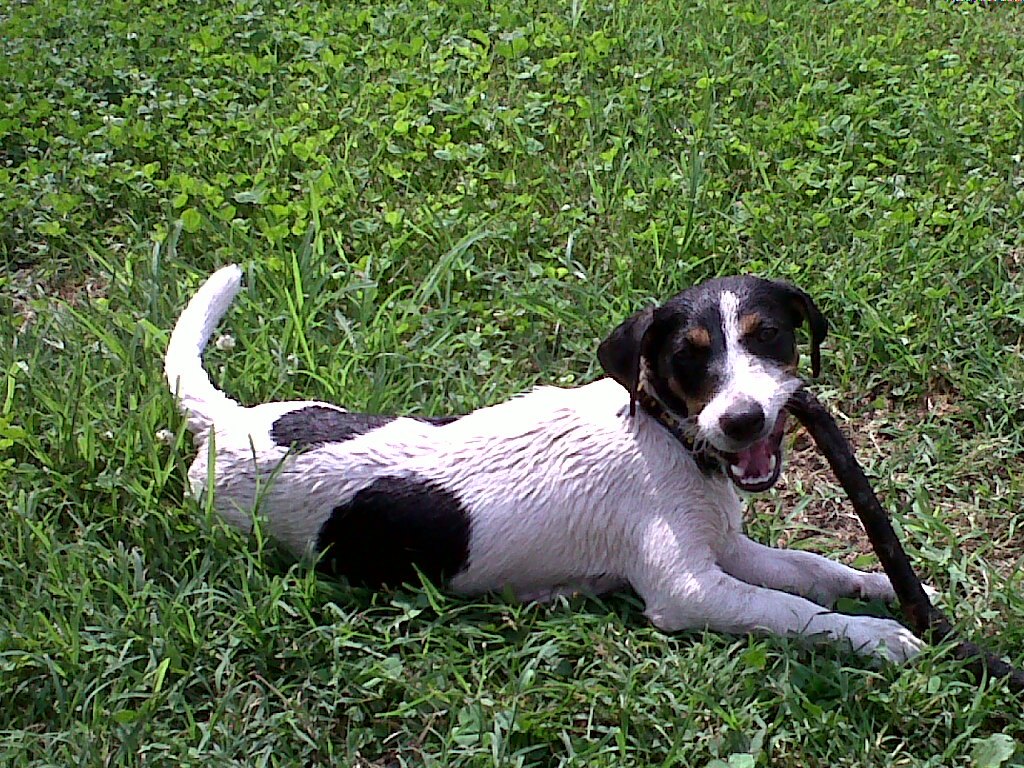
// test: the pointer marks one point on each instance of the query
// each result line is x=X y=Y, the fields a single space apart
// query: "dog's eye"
x=766 y=334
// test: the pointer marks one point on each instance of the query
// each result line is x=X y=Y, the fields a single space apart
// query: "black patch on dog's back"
x=391 y=528
x=319 y=424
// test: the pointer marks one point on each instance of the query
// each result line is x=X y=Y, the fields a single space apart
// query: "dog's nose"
x=744 y=421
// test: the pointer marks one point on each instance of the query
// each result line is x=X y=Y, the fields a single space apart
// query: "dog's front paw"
x=883 y=638
x=875 y=586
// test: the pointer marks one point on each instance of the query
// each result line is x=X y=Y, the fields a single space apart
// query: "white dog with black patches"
x=559 y=490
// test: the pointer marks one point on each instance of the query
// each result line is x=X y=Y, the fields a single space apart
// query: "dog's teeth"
x=734 y=468
x=772 y=464
x=751 y=481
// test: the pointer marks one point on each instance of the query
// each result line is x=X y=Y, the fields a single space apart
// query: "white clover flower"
x=225 y=342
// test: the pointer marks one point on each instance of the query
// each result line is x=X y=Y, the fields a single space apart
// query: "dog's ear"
x=619 y=354
x=808 y=310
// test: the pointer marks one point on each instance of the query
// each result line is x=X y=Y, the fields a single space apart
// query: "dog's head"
x=721 y=357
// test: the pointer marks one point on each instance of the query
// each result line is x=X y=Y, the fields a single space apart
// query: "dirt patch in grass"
x=1015 y=263
x=29 y=292
x=82 y=290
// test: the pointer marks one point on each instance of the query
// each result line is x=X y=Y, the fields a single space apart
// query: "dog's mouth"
x=757 y=467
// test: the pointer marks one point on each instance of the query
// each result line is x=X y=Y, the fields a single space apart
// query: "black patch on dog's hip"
x=393 y=527
x=319 y=424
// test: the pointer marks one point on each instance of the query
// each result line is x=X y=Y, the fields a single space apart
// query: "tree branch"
x=925 y=619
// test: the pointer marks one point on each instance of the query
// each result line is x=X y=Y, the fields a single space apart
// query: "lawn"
x=438 y=205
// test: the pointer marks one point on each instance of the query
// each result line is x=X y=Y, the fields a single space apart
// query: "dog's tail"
x=201 y=402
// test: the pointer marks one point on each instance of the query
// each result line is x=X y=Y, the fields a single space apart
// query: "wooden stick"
x=927 y=621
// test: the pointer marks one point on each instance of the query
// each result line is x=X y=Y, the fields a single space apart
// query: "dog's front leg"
x=715 y=600
x=801 y=573
x=683 y=588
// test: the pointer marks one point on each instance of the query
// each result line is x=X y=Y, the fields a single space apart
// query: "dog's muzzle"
x=758 y=466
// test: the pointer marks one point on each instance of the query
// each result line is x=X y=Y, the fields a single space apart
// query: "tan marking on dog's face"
x=699 y=337
x=749 y=323
x=791 y=366
x=694 y=404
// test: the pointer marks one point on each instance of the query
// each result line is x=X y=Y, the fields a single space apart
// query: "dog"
x=631 y=480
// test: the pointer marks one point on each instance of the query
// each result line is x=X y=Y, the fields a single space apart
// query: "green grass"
x=439 y=204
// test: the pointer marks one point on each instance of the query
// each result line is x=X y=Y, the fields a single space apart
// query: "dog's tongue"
x=755 y=460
